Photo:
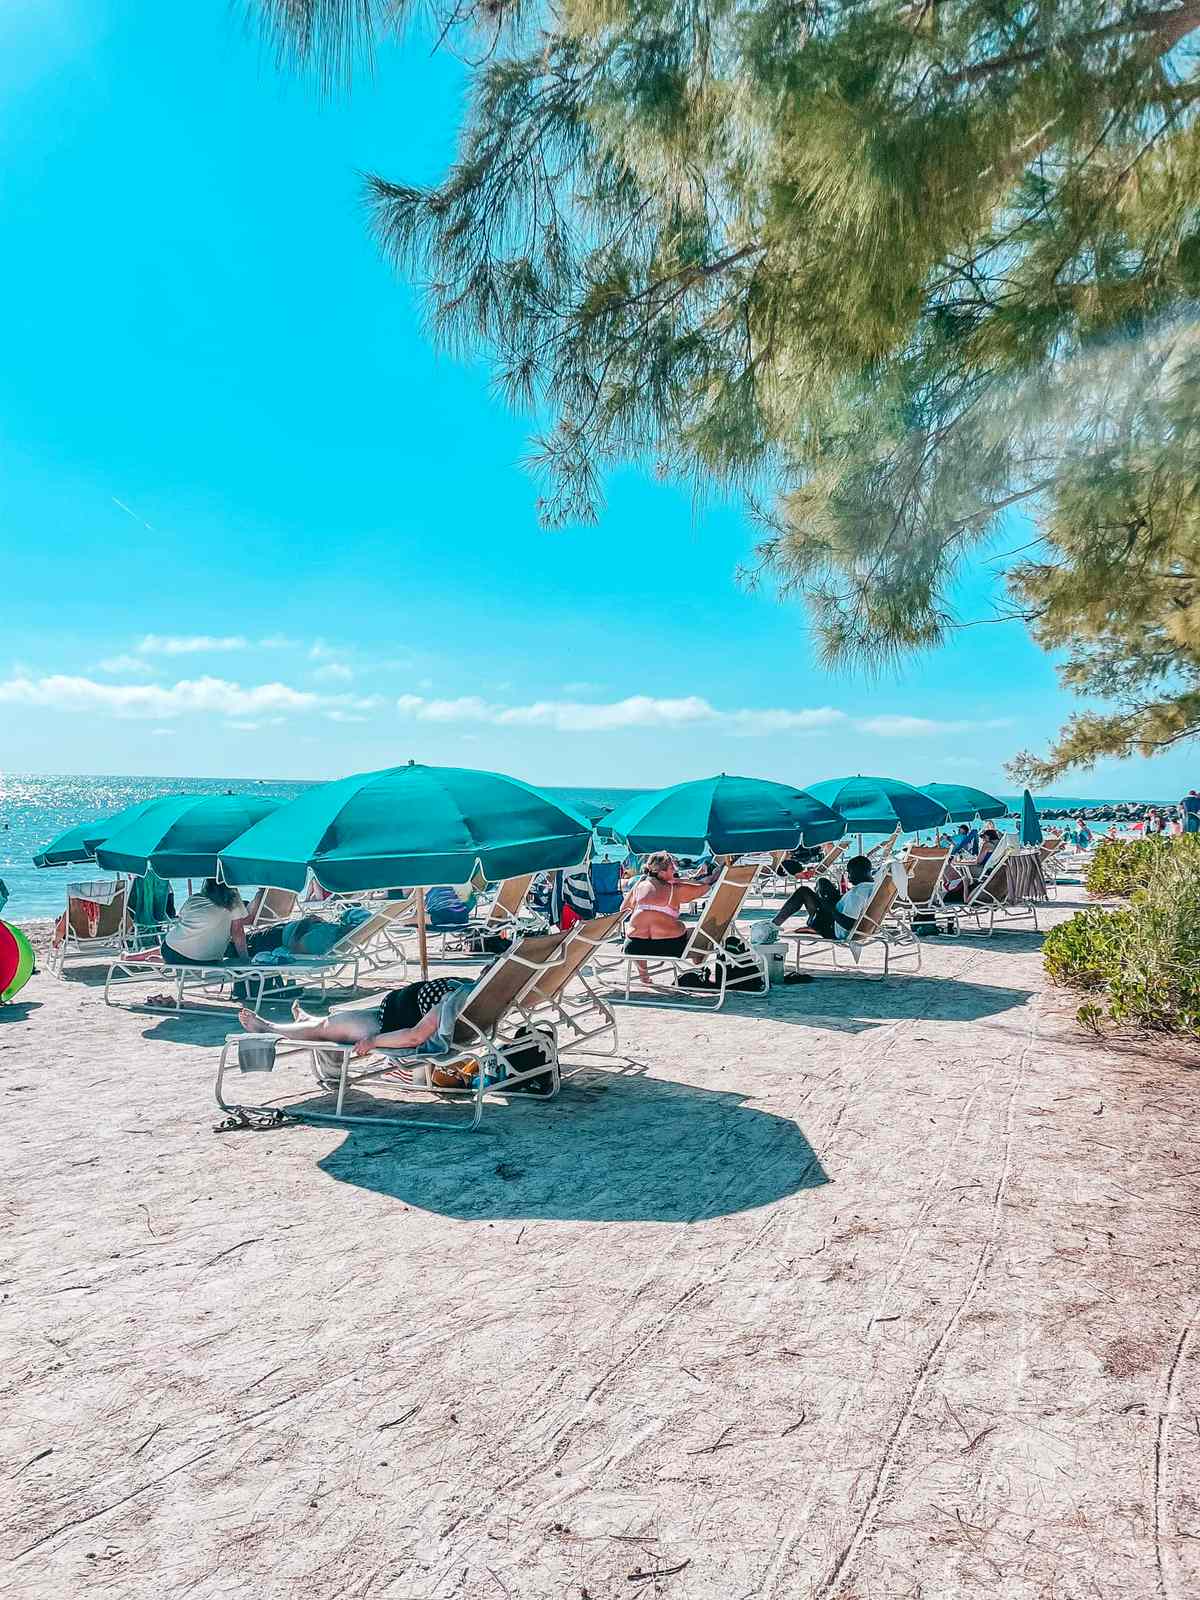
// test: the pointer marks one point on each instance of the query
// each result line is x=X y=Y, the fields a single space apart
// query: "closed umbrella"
x=964 y=803
x=182 y=836
x=879 y=805
x=409 y=827
x=78 y=844
x=1031 y=824
x=729 y=815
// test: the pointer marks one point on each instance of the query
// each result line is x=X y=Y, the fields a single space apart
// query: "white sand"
x=864 y=1291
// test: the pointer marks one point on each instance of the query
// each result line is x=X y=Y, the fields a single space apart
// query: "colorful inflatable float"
x=16 y=962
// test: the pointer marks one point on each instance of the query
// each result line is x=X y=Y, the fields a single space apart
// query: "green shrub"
x=1122 y=865
x=1145 y=957
x=1086 y=951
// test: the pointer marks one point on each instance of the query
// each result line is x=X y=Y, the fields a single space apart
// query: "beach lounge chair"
x=1008 y=890
x=485 y=1033
x=564 y=996
x=926 y=867
x=274 y=906
x=876 y=928
x=882 y=852
x=95 y=924
x=372 y=946
x=705 y=948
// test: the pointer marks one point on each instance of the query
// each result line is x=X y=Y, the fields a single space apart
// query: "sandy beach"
x=867 y=1290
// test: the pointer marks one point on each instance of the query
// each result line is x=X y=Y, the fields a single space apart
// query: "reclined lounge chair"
x=876 y=928
x=95 y=925
x=372 y=946
x=704 y=951
x=486 y=1034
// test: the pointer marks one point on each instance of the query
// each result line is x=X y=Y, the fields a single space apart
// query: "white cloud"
x=902 y=727
x=334 y=672
x=344 y=716
x=194 y=644
x=635 y=711
x=244 y=727
x=128 y=664
x=214 y=696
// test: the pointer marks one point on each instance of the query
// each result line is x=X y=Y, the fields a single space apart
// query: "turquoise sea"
x=34 y=809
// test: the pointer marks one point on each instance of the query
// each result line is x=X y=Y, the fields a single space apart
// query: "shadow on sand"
x=610 y=1148
x=844 y=1003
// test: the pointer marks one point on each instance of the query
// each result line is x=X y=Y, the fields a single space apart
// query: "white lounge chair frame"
x=872 y=930
x=926 y=874
x=989 y=897
x=705 y=947
x=476 y=1037
x=565 y=997
x=113 y=941
x=373 y=946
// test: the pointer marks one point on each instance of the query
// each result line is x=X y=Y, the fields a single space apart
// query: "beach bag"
x=531 y=1047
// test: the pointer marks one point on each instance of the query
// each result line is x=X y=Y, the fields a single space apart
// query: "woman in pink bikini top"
x=655 y=926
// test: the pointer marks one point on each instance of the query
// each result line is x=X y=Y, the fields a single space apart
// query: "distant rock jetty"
x=1125 y=813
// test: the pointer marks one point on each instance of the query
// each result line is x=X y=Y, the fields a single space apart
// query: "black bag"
x=479 y=943
x=741 y=971
x=531 y=1047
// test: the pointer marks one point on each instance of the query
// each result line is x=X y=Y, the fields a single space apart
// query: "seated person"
x=799 y=860
x=416 y=1017
x=967 y=842
x=655 y=927
x=830 y=915
x=988 y=840
x=208 y=929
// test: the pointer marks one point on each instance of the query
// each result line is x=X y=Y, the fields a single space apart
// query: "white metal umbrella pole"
x=422 y=941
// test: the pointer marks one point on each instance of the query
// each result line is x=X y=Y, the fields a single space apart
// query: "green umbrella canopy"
x=409 y=827
x=732 y=816
x=181 y=837
x=79 y=844
x=1031 y=823
x=963 y=803
x=878 y=805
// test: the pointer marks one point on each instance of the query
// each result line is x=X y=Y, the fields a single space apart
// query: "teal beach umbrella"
x=879 y=805
x=409 y=827
x=732 y=816
x=181 y=837
x=963 y=803
x=79 y=844
x=1031 y=823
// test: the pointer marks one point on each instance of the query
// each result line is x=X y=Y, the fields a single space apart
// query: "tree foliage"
x=888 y=270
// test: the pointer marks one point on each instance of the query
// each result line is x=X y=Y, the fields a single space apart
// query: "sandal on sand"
x=167 y=1001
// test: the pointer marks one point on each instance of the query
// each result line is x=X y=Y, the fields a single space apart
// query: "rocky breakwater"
x=1124 y=814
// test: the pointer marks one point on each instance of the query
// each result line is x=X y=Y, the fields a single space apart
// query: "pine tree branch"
x=1167 y=28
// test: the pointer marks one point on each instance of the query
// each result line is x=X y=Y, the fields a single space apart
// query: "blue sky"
x=254 y=525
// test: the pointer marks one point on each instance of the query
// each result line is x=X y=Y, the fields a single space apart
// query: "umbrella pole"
x=422 y=942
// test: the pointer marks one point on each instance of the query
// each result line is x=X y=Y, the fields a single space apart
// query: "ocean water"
x=36 y=809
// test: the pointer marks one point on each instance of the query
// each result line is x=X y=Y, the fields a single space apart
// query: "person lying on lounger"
x=831 y=916
x=655 y=926
x=420 y=1016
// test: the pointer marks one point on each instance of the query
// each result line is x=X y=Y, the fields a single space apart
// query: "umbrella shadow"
x=614 y=1147
x=845 y=1003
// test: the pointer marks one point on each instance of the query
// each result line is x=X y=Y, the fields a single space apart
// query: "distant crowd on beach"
x=1157 y=820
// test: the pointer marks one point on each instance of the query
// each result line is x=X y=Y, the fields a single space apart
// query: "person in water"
x=655 y=926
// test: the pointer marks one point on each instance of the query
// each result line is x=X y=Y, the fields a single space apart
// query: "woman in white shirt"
x=206 y=924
